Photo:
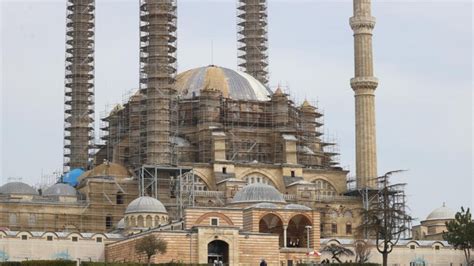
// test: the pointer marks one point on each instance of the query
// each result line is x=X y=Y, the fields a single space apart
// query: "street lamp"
x=308 y=228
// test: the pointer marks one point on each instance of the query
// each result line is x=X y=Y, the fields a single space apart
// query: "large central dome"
x=233 y=84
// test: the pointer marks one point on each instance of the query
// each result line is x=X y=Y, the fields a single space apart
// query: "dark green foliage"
x=344 y=264
x=461 y=233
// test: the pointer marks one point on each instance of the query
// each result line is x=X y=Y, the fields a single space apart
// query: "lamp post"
x=308 y=228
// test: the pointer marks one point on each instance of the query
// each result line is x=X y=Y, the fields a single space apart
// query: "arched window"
x=272 y=224
x=157 y=220
x=149 y=221
x=258 y=178
x=119 y=199
x=140 y=221
x=108 y=222
x=324 y=189
x=32 y=219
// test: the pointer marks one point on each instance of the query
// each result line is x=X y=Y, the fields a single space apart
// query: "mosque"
x=211 y=160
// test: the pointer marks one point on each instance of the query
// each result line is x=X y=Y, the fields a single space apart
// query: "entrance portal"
x=218 y=250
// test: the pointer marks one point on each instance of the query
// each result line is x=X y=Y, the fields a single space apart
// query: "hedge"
x=73 y=263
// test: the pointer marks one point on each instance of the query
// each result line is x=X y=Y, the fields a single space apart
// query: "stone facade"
x=249 y=234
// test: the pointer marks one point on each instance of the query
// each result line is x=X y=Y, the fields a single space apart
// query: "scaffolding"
x=252 y=38
x=157 y=75
x=79 y=84
x=387 y=193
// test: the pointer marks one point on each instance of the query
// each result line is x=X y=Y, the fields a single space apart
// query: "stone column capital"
x=362 y=25
x=367 y=83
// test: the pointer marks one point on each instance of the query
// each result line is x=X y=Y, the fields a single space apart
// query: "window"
x=224 y=170
x=412 y=246
x=324 y=189
x=292 y=173
x=215 y=221
x=334 y=228
x=436 y=247
x=24 y=237
x=49 y=238
x=108 y=222
x=119 y=199
x=321 y=227
x=74 y=239
x=98 y=240
x=348 y=229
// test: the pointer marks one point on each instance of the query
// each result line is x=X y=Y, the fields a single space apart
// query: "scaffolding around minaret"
x=79 y=84
x=252 y=38
x=157 y=76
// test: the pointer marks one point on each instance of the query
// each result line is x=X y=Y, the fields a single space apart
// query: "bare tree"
x=362 y=251
x=150 y=246
x=336 y=251
x=386 y=219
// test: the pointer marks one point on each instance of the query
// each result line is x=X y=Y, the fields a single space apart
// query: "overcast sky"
x=423 y=59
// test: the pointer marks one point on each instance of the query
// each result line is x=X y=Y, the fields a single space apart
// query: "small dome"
x=258 y=192
x=441 y=213
x=18 y=188
x=107 y=169
x=121 y=224
x=145 y=205
x=297 y=207
x=60 y=189
x=232 y=84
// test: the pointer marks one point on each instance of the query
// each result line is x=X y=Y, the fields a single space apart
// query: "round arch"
x=298 y=232
x=324 y=188
x=206 y=179
x=272 y=224
x=278 y=185
x=215 y=214
x=218 y=250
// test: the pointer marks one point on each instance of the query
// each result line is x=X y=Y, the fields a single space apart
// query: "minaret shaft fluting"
x=252 y=38
x=79 y=84
x=157 y=75
x=364 y=84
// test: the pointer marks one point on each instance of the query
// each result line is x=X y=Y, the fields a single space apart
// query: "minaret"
x=364 y=84
x=157 y=75
x=252 y=38
x=79 y=84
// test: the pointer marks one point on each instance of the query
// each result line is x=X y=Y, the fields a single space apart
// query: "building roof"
x=60 y=189
x=441 y=213
x=233 y=84
x=18 y=188
x=297 y=207
x=145 y=204
x=258 y=192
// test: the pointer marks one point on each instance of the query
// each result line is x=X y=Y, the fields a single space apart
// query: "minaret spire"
x=252 y=38
x=364 y=84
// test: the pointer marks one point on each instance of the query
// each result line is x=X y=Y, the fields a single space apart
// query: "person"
x=215 y=263
x=263 y=263
x=221 y=263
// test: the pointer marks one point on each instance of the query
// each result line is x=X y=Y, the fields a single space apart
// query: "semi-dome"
x=233 y=84
x=60 y=189
x=17 y=188
x=297 y=207
x=145 y=204
x=258 y=192
x=441 y=213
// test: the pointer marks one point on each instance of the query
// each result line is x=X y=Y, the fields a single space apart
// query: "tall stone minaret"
x=79 y=84
x=364 y=84
x=252 y=38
